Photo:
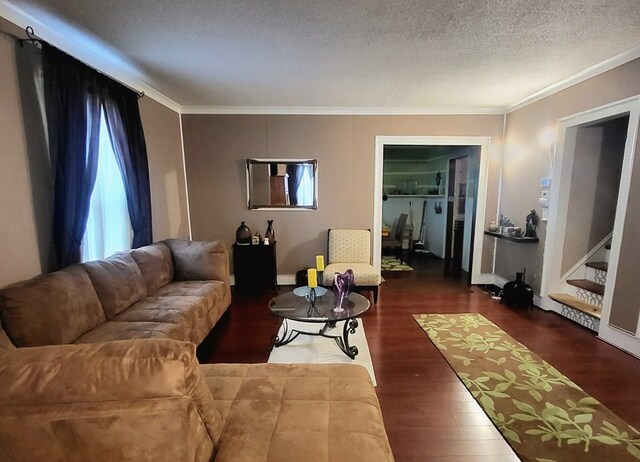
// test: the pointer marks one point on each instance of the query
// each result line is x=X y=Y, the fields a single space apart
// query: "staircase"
x=583 y=301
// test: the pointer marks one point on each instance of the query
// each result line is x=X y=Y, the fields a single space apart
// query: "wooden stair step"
x=587 y=285
x=576 y=304
x=599 y=265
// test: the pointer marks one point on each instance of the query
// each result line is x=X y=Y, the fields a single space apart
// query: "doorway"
x=474 y=220
x=606 y=204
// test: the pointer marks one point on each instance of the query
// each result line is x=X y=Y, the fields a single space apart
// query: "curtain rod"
x=36 y=41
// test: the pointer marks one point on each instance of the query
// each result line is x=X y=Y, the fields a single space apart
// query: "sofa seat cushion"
x=156 y=265
x=363 y=273
x=285 y=412
x=51 y=309
x=116 y=330
x=185 y=311
x=118 y=282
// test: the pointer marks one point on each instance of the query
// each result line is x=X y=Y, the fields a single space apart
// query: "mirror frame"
x=253 y=161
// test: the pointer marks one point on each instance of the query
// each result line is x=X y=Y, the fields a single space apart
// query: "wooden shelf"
x=521 y=240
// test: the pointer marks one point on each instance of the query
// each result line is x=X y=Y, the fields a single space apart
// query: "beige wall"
x=166 y=170
x=595 y=181
x=19 y=249
x=526 y=160
x=216 y=147
x=25 y=174
x=625 y=306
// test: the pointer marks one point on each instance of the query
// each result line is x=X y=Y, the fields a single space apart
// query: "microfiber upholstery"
x=156 y=265
x=300 y=412
x=5 y=343
x=127 y=401
x=51 y=309
x=199 y=260
x=117 y=281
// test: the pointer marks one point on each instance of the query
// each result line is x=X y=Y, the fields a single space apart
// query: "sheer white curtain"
x=109 y=226
x=305 y=190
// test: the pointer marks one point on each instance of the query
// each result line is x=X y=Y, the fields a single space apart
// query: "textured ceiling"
x=359 y=53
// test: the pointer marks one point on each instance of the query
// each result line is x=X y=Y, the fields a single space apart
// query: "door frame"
x=483 y=142
x=559 y=204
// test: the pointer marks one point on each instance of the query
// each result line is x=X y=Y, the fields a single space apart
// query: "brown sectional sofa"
x=130 y=390
x=172 y=289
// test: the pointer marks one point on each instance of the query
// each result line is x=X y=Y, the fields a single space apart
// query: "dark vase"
x=270 y=234
x=517 y=293
x=243 y=234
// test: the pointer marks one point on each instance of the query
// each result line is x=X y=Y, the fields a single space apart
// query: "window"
x=108 y=226
x=306 y=189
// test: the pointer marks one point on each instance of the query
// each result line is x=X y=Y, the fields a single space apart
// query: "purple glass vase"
x=342 y=285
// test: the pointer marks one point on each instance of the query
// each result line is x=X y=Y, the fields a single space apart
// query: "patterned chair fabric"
x=349 y=246
x=351 y=249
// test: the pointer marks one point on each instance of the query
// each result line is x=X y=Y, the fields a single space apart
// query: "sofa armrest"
x=113 y=394
x=199 y=260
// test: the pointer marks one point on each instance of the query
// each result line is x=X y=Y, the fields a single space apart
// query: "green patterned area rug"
x=393 y=264
x=543 y=415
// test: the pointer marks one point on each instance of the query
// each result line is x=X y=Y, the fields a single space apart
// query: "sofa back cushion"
x=199 y=260
x=155 y=264
x=51 y=309
x=118 y=282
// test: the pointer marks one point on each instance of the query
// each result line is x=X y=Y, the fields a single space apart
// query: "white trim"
x=551 y=272
x=484 y=142
x=90 y=51
x=294 y=110
x=593 y=71
x=612 y=334
x=186 y=182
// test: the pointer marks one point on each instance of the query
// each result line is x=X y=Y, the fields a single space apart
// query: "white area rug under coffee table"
x=322 y=350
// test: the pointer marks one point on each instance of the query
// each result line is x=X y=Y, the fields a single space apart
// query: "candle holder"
x=312 y=296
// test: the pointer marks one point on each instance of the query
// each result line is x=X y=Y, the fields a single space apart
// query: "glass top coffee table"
x=290 y=306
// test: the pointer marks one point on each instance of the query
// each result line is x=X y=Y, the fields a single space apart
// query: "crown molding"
x=367 y=111
x=593 y=71
x=96 y=55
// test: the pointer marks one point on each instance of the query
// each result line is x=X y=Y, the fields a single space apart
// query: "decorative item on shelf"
x=532 y=224
x=438 y=208
x=342 y=285
x=505 y=224
x=493 y=226
x=517 y=293
x=243 y=235
x=266 y=241
x=270 y=233
x=255 y=240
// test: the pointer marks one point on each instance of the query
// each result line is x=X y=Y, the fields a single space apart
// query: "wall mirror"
x=282 y=184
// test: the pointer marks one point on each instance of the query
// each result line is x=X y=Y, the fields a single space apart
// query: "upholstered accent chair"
x=394 y=241
x=351 y=249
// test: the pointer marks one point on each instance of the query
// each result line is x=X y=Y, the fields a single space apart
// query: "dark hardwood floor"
x=428 y=413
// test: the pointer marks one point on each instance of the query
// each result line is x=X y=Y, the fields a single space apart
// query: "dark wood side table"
x=254 y=266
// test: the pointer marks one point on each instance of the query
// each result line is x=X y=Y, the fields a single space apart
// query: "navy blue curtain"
x=73 y=119
x=127 y=138
x=295 y=173
x=75 y=95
